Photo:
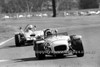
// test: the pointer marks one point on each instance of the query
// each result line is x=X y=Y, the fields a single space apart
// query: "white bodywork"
x=59 y=40
x=39 y=33
x=27 y=35
x=53 y=41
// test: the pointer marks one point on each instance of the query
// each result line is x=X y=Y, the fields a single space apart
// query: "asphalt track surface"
x=12 y=56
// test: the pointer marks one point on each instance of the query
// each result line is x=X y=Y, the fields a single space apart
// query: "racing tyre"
x=39 y=51
x=39 y=56
x=17 y=40
x=78 y=47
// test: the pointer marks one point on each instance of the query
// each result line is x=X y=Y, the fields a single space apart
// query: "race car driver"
x=28 y=31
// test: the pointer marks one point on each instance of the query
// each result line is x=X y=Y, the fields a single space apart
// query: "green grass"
x=9 y=27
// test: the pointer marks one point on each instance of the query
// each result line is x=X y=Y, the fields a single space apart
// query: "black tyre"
x=40 y=56
x=78 y=47
x=39 y=51
x=17 y=40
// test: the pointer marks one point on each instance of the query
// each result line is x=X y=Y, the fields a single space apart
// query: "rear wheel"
x=39 y=56
x=78 y=47
x=17 y=40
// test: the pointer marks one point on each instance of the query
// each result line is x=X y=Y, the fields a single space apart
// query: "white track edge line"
x=3 y=61
x=6 y=41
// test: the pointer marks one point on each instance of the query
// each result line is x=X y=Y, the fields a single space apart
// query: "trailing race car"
x=58 y=44
x=27 y=36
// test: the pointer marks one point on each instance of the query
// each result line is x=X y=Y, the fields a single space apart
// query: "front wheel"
x=78 y=47
x=39 y=51
x=40 y=56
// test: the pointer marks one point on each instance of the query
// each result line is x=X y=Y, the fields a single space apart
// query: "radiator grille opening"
x=60 y=48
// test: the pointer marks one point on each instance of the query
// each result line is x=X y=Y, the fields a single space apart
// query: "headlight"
x=47 y=47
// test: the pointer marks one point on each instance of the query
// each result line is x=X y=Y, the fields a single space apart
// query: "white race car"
x=23 y=37
x=58 y=45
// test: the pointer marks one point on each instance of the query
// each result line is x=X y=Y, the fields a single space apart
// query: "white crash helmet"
x=30 y=27
x=47 y=32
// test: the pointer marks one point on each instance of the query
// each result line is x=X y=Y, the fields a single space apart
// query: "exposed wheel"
x=39 y=51
x=17 y=40
x=40 y=56
x=78 y=47
x=22 y=40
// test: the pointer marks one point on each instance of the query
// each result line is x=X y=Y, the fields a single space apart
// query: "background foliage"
x=16 y=6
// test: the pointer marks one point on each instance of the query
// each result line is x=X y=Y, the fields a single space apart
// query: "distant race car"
x=58 y=44
x=25 y=37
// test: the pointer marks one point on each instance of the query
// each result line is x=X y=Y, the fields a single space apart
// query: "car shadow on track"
x=47 y=58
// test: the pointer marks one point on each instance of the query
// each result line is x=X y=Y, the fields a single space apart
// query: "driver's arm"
x=21 y=30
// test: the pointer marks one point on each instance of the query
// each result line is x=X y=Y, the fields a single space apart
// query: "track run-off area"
x=88 y=27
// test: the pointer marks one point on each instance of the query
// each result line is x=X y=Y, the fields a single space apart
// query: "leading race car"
x=58 y=44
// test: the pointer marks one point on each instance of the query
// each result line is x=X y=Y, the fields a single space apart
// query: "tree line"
x=16 y=6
